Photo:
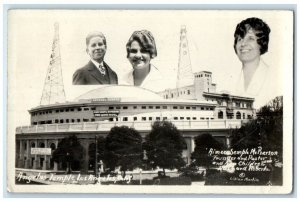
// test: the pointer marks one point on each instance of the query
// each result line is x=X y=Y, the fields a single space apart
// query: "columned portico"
x=28 y=159
x=21 y=155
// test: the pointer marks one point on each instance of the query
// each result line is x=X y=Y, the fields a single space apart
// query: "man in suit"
x=96 y=72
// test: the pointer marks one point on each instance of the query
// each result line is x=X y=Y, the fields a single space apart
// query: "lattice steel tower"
x=185 y=76
x=53 y=91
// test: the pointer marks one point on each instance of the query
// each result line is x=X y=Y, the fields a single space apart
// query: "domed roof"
x=120 y=91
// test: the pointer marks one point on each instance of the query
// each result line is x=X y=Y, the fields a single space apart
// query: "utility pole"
x=96 y=155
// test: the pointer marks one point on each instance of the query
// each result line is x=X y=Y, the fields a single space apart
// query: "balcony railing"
x=138 y=125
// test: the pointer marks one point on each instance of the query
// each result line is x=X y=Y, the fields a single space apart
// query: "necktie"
x=102 y=69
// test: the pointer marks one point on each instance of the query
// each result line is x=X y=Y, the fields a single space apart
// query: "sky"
x=209 y=33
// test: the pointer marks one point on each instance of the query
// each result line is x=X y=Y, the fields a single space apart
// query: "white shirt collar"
x=97 y=64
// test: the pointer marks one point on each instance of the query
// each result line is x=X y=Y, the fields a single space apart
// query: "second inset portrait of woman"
x=141 y=49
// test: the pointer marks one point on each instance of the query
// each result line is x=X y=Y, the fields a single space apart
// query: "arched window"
x=33 y=145
x=238 y=115
x=52 y=146
x=220 y=115
x=42 y=145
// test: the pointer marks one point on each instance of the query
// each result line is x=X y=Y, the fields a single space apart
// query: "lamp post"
x=96 y=155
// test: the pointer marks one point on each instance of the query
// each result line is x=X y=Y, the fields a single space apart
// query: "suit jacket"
x=90 y=75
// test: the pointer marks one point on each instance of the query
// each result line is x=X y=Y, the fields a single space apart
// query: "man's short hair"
x=95 y=34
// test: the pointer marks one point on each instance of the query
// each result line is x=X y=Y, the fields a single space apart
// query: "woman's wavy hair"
x=146 y=41
x=260 y=28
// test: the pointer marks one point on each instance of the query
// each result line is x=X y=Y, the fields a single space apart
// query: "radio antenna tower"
x=185 y=76
x=53 y=91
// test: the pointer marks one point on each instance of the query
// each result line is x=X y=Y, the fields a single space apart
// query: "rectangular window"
x=165 y=118
x=79 y=109
x=73 y=120
x=165 y=107
x=61 y=110
x=56 y=120
x=92 y=120
x=86 y=109
x=67 y=110
x=194 y=118
x=72 y=109
x=157 y=118
x=111 y=119
x=175 y=107
x=194 y=108
x=175 y=118
x=157 y=107
x=202 y=108
x=125 y=118
x=150 y=118
x=93 y=108
x=181 y=107
x=181 y=118
x=78 y=120
x=85 y=120
x=143 y=107
x=61 y=121
x=144 y=119
x=118 y=107
x=67 y=120
x=110 y=107
x=135 y=118
x=125 y=107
x=188 y=118
x=150 y=107
x=188 y=107
x=202 y=118
x=134 y=107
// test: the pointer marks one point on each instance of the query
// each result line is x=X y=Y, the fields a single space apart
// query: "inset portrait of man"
x=96 y=72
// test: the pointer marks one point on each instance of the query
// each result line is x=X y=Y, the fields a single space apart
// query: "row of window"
x=64 y=110
x=64 y=121
x=161 y=107
x=238 y=115
x=172 y=95
x=158 y=118
x=119 y=107
x=56 y=121
x=203 y=75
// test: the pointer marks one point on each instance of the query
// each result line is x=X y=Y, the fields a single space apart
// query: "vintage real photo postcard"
x=150 y=101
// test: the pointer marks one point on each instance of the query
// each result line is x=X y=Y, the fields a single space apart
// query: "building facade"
x=96 y=112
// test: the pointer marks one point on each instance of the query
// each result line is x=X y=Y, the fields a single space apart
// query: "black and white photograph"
x=150 y=101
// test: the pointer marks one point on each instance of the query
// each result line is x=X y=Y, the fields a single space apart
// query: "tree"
x=204 y=143
x=164 y=145
x=123 y=148
x=69 y=152
x=266 y=130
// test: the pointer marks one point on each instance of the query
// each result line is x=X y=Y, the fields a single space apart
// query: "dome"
x=120 y=91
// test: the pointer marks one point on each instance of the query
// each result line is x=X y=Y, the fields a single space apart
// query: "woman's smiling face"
x=247 y=48
x=138 y=56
